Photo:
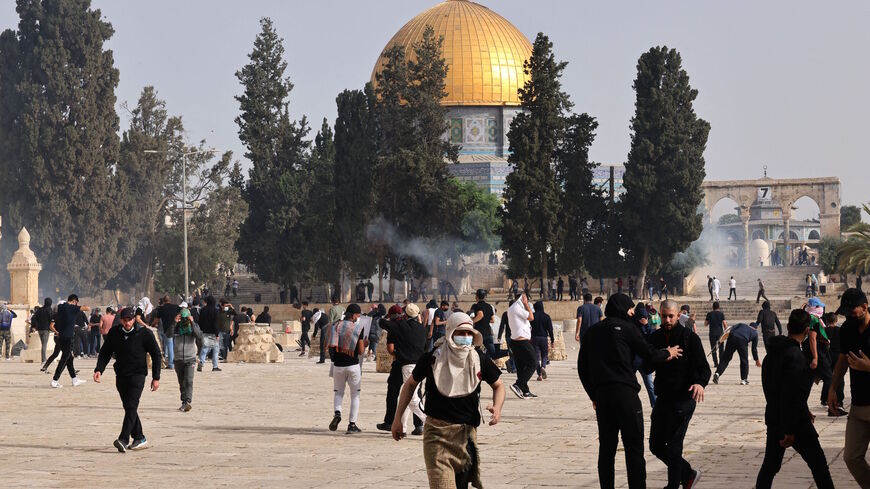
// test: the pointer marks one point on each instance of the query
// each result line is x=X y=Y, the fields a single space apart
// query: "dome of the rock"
x=484 y=52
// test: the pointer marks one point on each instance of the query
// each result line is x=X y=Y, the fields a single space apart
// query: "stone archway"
x=824 y=191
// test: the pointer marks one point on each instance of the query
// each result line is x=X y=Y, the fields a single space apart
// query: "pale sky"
x=783 y=83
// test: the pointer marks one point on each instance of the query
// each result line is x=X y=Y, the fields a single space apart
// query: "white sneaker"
x=55 y=384
x=77 y=382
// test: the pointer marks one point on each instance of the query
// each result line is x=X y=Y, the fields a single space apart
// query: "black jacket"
x=542 y=325
x=606 y=355
x=767 y=320
x=208 y=318
x=129 y=350
x=785 y=378
x=674 y=378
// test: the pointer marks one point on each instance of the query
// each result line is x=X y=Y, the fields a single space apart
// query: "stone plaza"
x=265 y=425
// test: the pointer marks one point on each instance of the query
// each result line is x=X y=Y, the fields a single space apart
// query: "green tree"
x=829 y=249
x=156 y=179
x=530 y=220
x=59 y=141
x=854 y=253
x=729 y=219
x=665 y=165
x=849 y=216
x=582 y=202
x=277 y=149
x=354 y=154
x=410 y=122
x=480 y=222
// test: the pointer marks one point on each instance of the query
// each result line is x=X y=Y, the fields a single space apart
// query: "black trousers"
x=394 y=387
x=735 y=344
x=54 y=354
x=806 y=443
x=130 y=390
x=668 y=425
x=66 y=358
x=760 y=295
x=733 y=292
x=304 y=340
x=618 y=411
x=322 y=345
x=823 y=370
x=524 y=359
x=718 y=350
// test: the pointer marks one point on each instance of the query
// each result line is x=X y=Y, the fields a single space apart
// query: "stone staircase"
x=778 y=281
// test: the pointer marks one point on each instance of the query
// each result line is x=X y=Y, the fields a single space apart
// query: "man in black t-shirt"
x=482 y=315
x=854 y=351
x=453 y=373
x=64 y=327
x=715 y=320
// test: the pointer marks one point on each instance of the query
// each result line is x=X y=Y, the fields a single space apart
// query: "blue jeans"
x=210 y=344
x=168 y=351
x=224 y=344
x=94 y=341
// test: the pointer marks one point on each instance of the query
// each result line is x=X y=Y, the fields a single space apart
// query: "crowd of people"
x=451 y=351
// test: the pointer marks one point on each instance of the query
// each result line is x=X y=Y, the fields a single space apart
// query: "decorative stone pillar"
x=744 y=218
x=786 y=235
x=24 y=273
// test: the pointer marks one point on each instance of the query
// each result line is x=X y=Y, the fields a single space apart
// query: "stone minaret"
x=24 y=273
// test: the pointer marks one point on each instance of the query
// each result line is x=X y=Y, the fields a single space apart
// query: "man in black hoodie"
x=679 y=385
x=129 y=344
x=768 y=322
x=606 y=371
x=785 y=379
x=542 y=328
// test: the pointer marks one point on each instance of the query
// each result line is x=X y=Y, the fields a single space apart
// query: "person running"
x=717 y=325
x=768 y=322
x=679 y=386
x=64 y=326
x=185 y=334
x=346 y=344
x=784 y=378
x=760 y=292
x=739 y=338
x=542 y=328
x=732 y=288
x=453 y=372
x=129 y=344
x=854 y=350
x=519 y=316
x=406 y=341
x=605 y=369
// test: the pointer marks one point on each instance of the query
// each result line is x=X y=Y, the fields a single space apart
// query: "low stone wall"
x=255 y=344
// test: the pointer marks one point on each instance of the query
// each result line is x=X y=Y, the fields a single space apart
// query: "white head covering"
x=456 y=368
x=145 y=305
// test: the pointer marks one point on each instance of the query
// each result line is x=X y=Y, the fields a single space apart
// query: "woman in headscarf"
x=605 y=366
x=453 y=372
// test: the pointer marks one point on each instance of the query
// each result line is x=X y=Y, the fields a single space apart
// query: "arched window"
x=758 y=234
x=814 y=234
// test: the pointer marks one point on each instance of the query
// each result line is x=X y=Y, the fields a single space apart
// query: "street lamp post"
x=183 y=207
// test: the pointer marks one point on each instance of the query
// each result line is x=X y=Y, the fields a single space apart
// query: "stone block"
x=255 y=344
x=292 y=326
x=287 y=340
x=382 y=357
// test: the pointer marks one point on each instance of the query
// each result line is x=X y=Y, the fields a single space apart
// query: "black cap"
x=127 y=313
x=352 y=309
x=851 y=299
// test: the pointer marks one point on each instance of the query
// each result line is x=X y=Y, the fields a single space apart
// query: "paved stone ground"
x=265 y=426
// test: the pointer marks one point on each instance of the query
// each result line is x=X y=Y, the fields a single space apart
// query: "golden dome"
x=484 y=52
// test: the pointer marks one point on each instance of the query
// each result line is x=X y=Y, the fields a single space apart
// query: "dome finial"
x=24 y=238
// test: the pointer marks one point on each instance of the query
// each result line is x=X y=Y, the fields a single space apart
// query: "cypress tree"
x=665 y=165
x=59 y=141
x=530 y=222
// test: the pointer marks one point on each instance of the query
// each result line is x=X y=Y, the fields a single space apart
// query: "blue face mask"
x=463 y=340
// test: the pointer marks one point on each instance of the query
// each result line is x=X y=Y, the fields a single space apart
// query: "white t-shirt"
x=518 y=317
x=732 y=283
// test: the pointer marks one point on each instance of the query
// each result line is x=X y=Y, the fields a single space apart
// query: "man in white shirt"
x=732 y=285
x=519 y=315
x=717 y=285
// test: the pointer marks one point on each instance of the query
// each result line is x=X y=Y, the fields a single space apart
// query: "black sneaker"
x=544 y=373
x=716 y=378
x=199 y=367
x=352 y=428
x=529 y=395
x=322 y=361
x=384 y=427
x=120 y=446
x=838 y=412
x=333 y=425
x=689 y=484
x=139 y=444
x=216 y=369
x=417 y=431
x=516 y=390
